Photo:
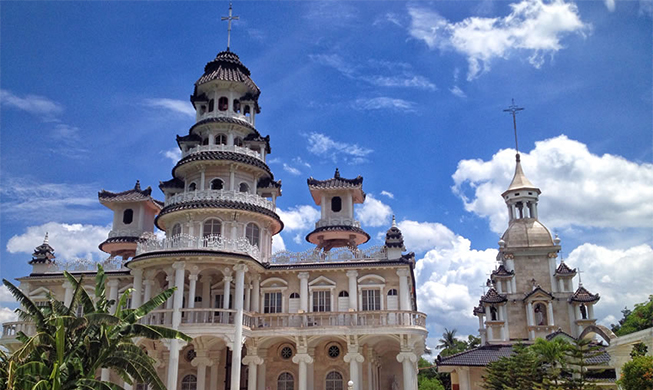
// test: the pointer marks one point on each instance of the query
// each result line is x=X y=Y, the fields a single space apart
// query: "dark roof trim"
x=217 y=155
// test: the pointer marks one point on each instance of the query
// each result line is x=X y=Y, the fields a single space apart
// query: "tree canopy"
x=640 y=318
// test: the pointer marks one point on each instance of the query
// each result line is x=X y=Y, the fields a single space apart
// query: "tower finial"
x=45 y=239
x=394 y=221
x=513 y=109
x=337 y=174
x=229 y=19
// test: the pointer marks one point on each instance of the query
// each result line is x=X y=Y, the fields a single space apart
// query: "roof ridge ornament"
x=394 y=221
x=45 y=239
x=229 y=19
x=337 y=174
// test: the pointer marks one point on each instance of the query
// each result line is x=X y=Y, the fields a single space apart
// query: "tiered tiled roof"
x=218 y=204
x=480 y=309
x=477 y=357
x=583 y=295
x=336 y=182
x=172 y=183
x=268 y=182
x=393 y=237
x=502 y=272
x=256 y=137
x=493 y=296
x=43 y=253
x=536 y=290
x=134 y=195
x=223 y=119
x=564 y=270
x=227 y=67
x=218 y=155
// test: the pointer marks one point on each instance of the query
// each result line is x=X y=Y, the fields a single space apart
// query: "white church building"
x=259 y=321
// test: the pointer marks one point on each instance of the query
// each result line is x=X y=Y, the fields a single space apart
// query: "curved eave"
x=339 y=228
x=224 y=119
x=118 y=240
x=222 y=156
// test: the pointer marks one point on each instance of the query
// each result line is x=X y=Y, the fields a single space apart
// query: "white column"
x=203 y=177
x=561 y=285
x=463 y=378
x=113 y=294
x=232 y=173
x=248 y=297
x=192 y=286
x=404 y=291
x=179 y=267
x=260 y=383
x=311 y=370
x=256 y=293
x=481 y=329
x=577 y=312
x=303 y=359
x=213 y=375
x=324 y=207
x=68 y=293
x=252 y=362
x=201 y=363
x=173 y=364
x=238 y=324
x=138 y=287
x=147 y=294
x=355 y=359
x=549 y=312
x=226 y=291
x=353 y=290
x=408 y=360
x=552 y=271
x=529 y=314
x=490 y=333
x=303 y=291
x=370 y=382
x=499 y=286
x=590 y=311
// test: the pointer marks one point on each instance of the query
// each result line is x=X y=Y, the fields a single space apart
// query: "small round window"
x=333 y=351
x=286 y=353
x=190 y=355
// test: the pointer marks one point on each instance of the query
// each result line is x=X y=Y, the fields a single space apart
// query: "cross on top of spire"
x=513 y=109
x=229 y=19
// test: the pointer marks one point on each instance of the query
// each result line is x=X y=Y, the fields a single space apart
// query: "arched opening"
x=392 y=292
x=334 y=381
x=247 y=111
x=189 y=382
x=192 y=187
x=212 y=227
x=285 y=381
x=238 y=141
x=252 y=233
x=583 y=311
x=493 y=313
x=128 y=216
x=221 y=139
x=217 y=184
x=237 y=106
x=176 y=230
x=223 y=103
x=211 y=105
x=343 y=294
x=205 y=141
x=244 y=187
x=336 y=204
x=540 y=314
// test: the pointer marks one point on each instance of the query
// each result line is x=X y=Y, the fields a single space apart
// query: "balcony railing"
x=221 y=195
x=212 y=242
x=11 y=329
x=223 y=148
x=337 y=222
x=334 y=255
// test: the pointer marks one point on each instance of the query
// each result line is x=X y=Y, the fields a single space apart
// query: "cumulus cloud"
x=388 y=194
x=423 y=236
x=456 y=91
x=384 y=103
x=70 y=241
x=603 y=272
x=533 y=27
x=373 y=212
x=610 y=5
x=37 y=105
x=173 y=154
x=7 y=315
x=277 y=244
x=581 y=188
x=299 y=217
x=322 y=145
x=172 y=105
x=5 y=295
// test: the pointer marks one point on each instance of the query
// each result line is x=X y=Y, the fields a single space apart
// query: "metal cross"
x=580 y=279
x=513 y=110
x=229 y=19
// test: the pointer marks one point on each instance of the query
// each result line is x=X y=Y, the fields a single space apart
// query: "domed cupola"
x=394 y=241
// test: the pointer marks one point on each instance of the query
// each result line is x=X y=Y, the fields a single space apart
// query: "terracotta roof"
x=536 y=290
x=479 y=309
x=340 y=228
x=217 y=204
x=563 y=269
x=133 y=195
x=113 y=240
x=227 y=67
x=393 y=237
x=477 y=357
x=582 y=295
x=493 y=296
x=336 y=182
x=172 y=183
x=218 y=155
x=502 y=272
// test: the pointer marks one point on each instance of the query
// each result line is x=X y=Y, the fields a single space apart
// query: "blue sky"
x=407 y=94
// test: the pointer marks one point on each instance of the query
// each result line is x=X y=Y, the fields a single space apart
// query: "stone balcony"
x=235 y=196
x=211 y=243
x=223 y=148
x=337 y=222
x=374 y=253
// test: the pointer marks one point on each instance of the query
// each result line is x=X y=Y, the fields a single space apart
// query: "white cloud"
x=299 y=217
x=299 y=161
x=70 y=241
x=533 y=26
x=322 y=145
x=5 y=295
x=610 y=5
x=456 y=91
x=423 y=236
x=388 y=194
x=7 y=315
x=405 y=81
x=291 y=170
x=277 y=244
x=581 y=189
x=373 y=212
x=384 y=103
x=34 y=104
x=176 y=106
x=173 y=154
x=29 y=200
x=622 y=277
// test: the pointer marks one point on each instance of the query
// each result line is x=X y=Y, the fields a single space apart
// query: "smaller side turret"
x=394 y=241
x=43 y=257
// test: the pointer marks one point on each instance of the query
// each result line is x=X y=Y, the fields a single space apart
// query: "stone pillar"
x=549 y=312
x=354 y=358
x=590 y=311
x=113 y=293
x=68 y=293
x=256 y=293
x=404 y=291
x=529 y=314
x=173 y=363
x=252 y=362
x=206 y=297
x=490 y=334
x=232 y=172
x=499 y=285
x=201 y=362
x=213 y=375
x=353 y=291
x=324 y=207
x=260 y=383
x=203 y=176
x=303 y=291
x=303 y=359
x=248 y=297
x=226 y=291
x=408 y=360
x=481 y=329
x=192 y=286
x=138 y=286
x=238 y=324
x=179 y=267
x=311 y=370
x=561 y=285
x=170 y=278
x=463 y=378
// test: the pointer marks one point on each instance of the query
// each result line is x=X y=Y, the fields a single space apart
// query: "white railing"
x=384 y=318
x=212 y=242
x=334 y=255
x=125 y=233
x=223 y=148
x=337 y=222
x=11 y=329
x=109 y=264
x=221 y=195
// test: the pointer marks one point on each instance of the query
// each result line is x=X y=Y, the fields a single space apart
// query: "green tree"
x=429 y=384
x=639 y=349
x=551 y=355
x=67 y=350
x=641 y=317
x=520 y=371
x=448 y=340
x=637 y=374
x=578 y=353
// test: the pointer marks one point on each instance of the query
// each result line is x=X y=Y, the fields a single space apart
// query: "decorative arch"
x=605 y=333
x=211 y=227
x=371 y=277
x=217 y=184
x=274 y=282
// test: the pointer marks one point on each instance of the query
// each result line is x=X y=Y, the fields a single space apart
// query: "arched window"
x=294 y=296
x=246 y=111
x=212 y=227
x=493 y=313
x=238 y=141
x=205 y=141
x=392 y=292
x=211 y=105
x=252 y=233
x=343 y=294
x=176 y=230
x=189 y=382
x=223 y=103
x=192 y=187
x=217 y=184
x=334 y=381
x=237 y=106
x=221 y=139
x=583 y=311
x=243 y=187
x=336 y=204
x=540 y=314
x=128 y=216
x=202 y=109
x=285 y=381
